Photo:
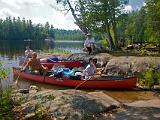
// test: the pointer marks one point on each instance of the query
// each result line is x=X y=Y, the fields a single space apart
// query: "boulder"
x=149 y=103
x=102 y=58
x=132 y=113
x=131 y=65
x=66 y=104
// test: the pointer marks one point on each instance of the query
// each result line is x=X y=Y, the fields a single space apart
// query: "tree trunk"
x=114 y=30
x=110 y=39
x=0 y=86
x=83 y=28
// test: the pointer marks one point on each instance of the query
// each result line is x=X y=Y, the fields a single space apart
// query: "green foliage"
x=58 y=51
x=104 y=43
x=142 y=25
x=3 y=72
x=5 y=97
x=5 y=105
x=107 y=18
x=17 y=29
x=101 y=17
x=61 y=34
x=150 y=77
x=153 y=20
x=98 y=16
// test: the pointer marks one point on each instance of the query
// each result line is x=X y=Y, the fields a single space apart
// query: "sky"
x=40 y=11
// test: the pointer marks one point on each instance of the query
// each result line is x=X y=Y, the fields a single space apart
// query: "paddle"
x=21 y=71
x=82 y=83
x=88 y=79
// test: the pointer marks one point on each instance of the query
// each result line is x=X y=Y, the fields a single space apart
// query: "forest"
x=113 y=23
x=20 y=29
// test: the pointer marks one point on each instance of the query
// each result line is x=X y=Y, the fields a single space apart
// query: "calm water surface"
x=11 y=52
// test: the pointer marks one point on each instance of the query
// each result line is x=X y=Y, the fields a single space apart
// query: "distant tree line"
x=20 y=29
x=61 y=34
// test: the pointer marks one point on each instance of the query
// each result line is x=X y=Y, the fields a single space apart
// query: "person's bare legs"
x=45 y=71
x=92 y=48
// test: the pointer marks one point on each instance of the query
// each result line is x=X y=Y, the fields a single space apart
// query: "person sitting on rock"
x=89 y=44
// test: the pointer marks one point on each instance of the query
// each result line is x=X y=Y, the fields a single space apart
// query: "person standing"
x=28 y=52
x=89 y=44
x=27 y=55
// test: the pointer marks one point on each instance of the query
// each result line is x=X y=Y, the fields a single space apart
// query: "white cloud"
x=39 y=11
x=58 y=20
x=12 y=3
x=31 y=2
x=18 y=4
x=128 y=8
x=6 y=12
x=144 y=4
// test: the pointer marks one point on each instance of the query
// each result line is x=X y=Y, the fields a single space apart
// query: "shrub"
x=150 y=77
x=5 y=97
x=5 y=105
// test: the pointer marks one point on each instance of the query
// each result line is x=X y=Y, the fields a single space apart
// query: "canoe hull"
x=65 y=63
x=126 y=83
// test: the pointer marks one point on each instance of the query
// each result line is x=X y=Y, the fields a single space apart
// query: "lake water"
x=11 y=51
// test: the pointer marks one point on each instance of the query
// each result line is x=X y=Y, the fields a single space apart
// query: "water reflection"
x=12 y=51
x=72 y=46
x=15 y=48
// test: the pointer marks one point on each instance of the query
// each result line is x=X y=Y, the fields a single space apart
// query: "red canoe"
x=44 y=62
x=117 y=83
x=65 y=63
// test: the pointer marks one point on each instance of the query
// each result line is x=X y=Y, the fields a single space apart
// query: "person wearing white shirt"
x=89 y=44
x=28 y=52
x=90 y=69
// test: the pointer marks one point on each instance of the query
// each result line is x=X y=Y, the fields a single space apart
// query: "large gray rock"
x=123 y=65
x=66 y=104
x=149 y=103
x=131 y=65
x=102 y=58
x=131 y=113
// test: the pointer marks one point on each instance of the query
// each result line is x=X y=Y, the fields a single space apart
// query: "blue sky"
x=39 y=11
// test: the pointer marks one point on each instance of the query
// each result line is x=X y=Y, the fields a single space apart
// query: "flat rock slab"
x=67 y=104
x=149 y=103
x=133 y=113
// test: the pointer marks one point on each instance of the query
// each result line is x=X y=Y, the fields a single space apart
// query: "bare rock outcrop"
x=65 y=104
x=131 y=65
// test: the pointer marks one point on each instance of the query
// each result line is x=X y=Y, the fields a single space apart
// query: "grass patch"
x=134 y=52
x=59 y=51
x=6 y=105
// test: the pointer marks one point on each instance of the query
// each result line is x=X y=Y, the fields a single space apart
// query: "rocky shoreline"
x=74 y=104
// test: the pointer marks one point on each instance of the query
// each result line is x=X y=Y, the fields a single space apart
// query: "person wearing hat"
x=89 y=44
x=28 y=52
